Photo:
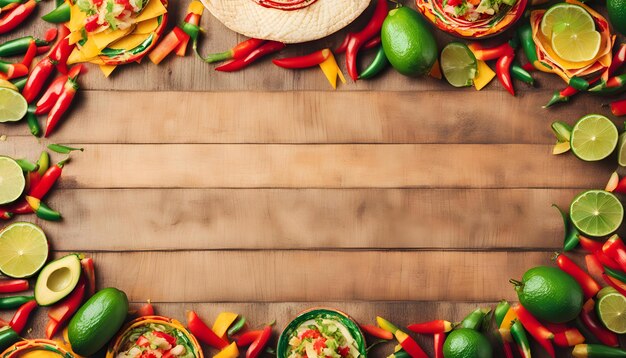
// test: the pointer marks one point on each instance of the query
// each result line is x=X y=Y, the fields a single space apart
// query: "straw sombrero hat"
x=288 y=21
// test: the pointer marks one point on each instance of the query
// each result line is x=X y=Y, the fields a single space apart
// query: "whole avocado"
x=97 y=321
x=409 y=42
x=550 y=294
x=617 y=14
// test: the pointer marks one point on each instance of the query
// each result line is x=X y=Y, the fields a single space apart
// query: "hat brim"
x=318 y=20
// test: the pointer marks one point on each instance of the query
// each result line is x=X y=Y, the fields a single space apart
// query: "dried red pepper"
x=64 y=101
x=37 y=79
x=199 y=329
x=431 y=327
x=357 y=40
x=16 y=16
x=587 y=283
x=503 y=70
x=306 y=61
x=13 y=286
x=440 y=339
x=258 y=346
x=590 y=320
x=618 y=108
x=267 y=48
x=61 y=312
x=541 y=334
x=20 y=318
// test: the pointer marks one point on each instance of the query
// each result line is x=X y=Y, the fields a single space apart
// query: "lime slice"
x=23 y=250
x=596 y=213
x=8 y=84
x=611 y=309
x=621 y=151
x=13 y=106
x=566 y=18
x=594 y=137
x=577 y=46
x=605 y=291
x=12 y=181
x=458 y=64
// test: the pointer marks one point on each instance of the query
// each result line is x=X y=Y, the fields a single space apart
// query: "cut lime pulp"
x=611 y=309
x=594 y=137
x=13 y=106
x=23 y=250
x=458 y=64
x=596 y=213
x=12 y=181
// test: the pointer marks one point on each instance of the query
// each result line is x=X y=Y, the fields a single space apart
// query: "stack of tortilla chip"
x=506 y=17
x=552 y=63
x=110 y=48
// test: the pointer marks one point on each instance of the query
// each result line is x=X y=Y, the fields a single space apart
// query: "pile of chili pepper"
x=24 y=306
x=14 y=13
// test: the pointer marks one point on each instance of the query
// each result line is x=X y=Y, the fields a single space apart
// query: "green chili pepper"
x=190 y=29
x=20 y=83
x=14 y=302
x=474 y=319
x=59 y=15
x=42 y=210
x=597 y=351
x=58 y=3
x=63 y=149
x=570 y=237
x=617 y=85
x=579 y=83
x=399 y=354
x=4 y=3
x=43 y=162
x=615 y=274
x=8 y=337
x=501 y=309
x=521 y=74
x=379 y=63
x=27 y=165
x=237 y=326
x=33 y=123
x=19 y=46
x=521 y=339
x=525 y=34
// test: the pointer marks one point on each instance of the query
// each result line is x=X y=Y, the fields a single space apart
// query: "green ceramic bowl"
x=283 y=340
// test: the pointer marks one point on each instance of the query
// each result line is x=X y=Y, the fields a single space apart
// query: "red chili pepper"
x=37 y=78
x=568 y=338
x=31 y=52
x=503 y=70
x=493 y=53
x=51 y=34
x=615 y=249
x=61 y=312
x=63 y=103
x=594 y=267
x=13 y=286
x=42 y=49
x=203 y=332
x=589 y=245
x=529 y=67
x=562 y=96
x=618 y=108
x=90 y=275
x=587 y=283
x=146 y=310
x=16 y=16
x=5 y=214
x=377 y=332
x=370 y=44
x=410 y=345
x=50 y=97
x=618 y=59
x=590 y=320
x=541 y=334
x=432 y=327
x=257 y=347
x=305 y=61
x=20 y=208
x=247 y=338
x=33 y=179
x=615 y=283
x=357 y=40
x=440 y=339
x=13 y=70
x=192 y=18
x=607 y=261
x=508 y=351
x=264 y=50
x=62 y=50
x=48 y=180
x=20 y=318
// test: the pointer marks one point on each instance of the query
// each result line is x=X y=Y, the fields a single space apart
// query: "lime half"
x=8 y=84
x=458 y=64
x=577 y=46
x=611 y=309
x=23 y=250
x=12 y=181
x=596 y=213
x=594 y=137
x=13 y=106
x=566 y=17
x=621 y=151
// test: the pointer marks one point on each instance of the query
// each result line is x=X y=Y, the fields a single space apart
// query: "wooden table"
x=264 y=192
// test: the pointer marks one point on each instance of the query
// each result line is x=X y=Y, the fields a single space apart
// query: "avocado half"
x=57 y=280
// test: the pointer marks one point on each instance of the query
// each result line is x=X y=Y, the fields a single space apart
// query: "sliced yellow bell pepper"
x=560 y=148
x=484 y=76
x=331 y=71
x=195 y=7
x=229 y=352
x=222 y=322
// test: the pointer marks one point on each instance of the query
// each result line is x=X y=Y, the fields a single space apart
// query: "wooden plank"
x=310 y=117
x=174 y=219
x=294 y=275
x=322 y=166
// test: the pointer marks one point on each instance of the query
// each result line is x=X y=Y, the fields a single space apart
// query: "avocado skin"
x=97 y=321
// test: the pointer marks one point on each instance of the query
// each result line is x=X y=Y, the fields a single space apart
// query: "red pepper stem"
x=218 y=57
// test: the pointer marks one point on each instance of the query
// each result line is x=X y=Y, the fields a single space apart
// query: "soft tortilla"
x=313 y=22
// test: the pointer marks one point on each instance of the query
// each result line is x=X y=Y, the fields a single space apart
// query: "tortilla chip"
x=146 y=27
x=153 y=9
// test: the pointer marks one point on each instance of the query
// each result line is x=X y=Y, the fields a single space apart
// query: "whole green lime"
x=617 y=14
x=466 y=343
x=550 y=294
x=408 y=42
x=97 y=321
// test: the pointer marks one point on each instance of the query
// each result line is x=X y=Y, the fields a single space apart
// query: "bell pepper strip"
x=520 y=74
x=247 y=338
x=33 y=123
x=169 y=43
x=26 y=165
x=518 y=333
x=199 y=329
x=306 y=61
x=378 y=64
x=42 y=210
x=258 y=346
x=541 y=334
x=61 y=312
x=615 y=249
x=590 y=245
x=587 y=283
x=571 y=233
x=19 y=46
x=59 y=15
x=439 y=340
x=13 y=286
x=474 y=319
x=618 y=108
x=377 y=332
x=20 y=318
x=239 y=52
x=51 y=176
x=8 y=337
x=37 y=79
x=597 y=351
x=503 y=71
x=31 y=52
x=357 y=40
x=13 y=302
x=50 y=97
x=267 y=48
x=13 y=70
x=89 y=272
x=491 y=53
x=229 y=352
x=16 y=16
x=63 y=149
x=431 y=327
x=223 y=321
x=590 y=320
x=332 y=71
x=63 y=103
